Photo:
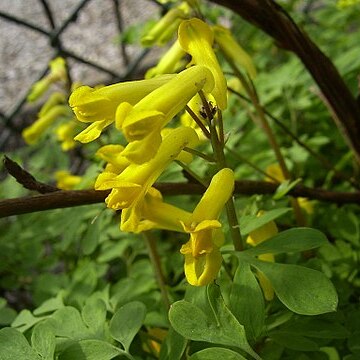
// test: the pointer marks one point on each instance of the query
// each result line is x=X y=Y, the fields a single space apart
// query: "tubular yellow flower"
x=66 y=181
x=169 y=62
x=196 y=105
x=275 y=172
x=33 y=133
x=143 y=121
x=196 y=38
x=57 y=73
x=131 y=185
x=165 y=28
x=256 y=237
x=202 y=252
x=232 y=49
x=153 y=213
x=113 y=155
x=56 y=98
x=98 y=106
x=65 y=134
x=58 y=69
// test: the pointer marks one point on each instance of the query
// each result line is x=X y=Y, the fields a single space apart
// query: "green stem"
x=198 y=121
x=218 y=148
x=251 y=91
x=246 y=161
x=192 y=174
x=323 y=160
x=155 y=260
x=199 y=154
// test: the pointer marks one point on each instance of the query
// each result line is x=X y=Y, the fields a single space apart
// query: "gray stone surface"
x=24 y=53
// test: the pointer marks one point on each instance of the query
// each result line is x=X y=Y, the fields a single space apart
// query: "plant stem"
x=150 y=241
x=323 y=160
x=251 y=91
x=199 y=154
x=218 y=148
x=198 y=121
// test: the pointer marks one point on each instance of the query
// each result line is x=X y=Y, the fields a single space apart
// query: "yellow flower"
x=196 y=38
x=131 y=185
x=196 y=105
x=166 y=27
x=33 y=133
x=231 y=48
x=169 y=62
x=143 y=122
x=341 y=4
x=56 y=98
x=65 y=134
x=98 y=106
x=256 y=237
x=113 y=155
x=275 y=172
x=153 y=213
x=58 y=69
x=57 y=73
x=66 y=181
x=202 y=252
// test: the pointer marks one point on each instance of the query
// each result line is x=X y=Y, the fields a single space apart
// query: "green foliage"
x=74 y=287
x=218 y=325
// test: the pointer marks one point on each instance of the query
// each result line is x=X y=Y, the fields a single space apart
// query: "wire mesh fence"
x=86 y=33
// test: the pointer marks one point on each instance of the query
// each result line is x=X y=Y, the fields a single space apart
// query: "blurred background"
x=97 y=37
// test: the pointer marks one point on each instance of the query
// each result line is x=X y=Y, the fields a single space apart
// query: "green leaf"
x=26 y=320
x=315 y=327
x=43 y=341
x=216 y=354
x=173 y=346
x=285 y=187
x=292 y=240
x=304 y=291
x=126 y=322
x=112 y=250
x=247 y=301
x=90 y=350
x=50 y=305
x=7 y=315
x=94 y=314
x=13 y=345
x=250 y=223
x=218 y=327
x=91 y=237
x=345 y=225
x=294 y=342
x=84 y=281
x=67 y=322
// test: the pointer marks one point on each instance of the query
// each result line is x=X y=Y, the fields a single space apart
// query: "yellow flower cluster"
x=141 y=110
x=54 y=110
x=341 y=4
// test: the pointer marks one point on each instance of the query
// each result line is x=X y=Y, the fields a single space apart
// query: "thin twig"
x=252 y=93
x=25 y=178
x=269 y=16
x=119 y=22
x=198 y=121
x=155 y=260
x=70 y=198
x=324 y=161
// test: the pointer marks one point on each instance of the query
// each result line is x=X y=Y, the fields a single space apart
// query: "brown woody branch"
x=24 y=178
x=276 y=22
x=63 y=199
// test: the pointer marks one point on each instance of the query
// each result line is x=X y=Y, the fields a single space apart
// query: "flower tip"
x=191 y=28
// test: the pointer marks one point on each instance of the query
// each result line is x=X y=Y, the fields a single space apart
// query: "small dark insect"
x=213 y=110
